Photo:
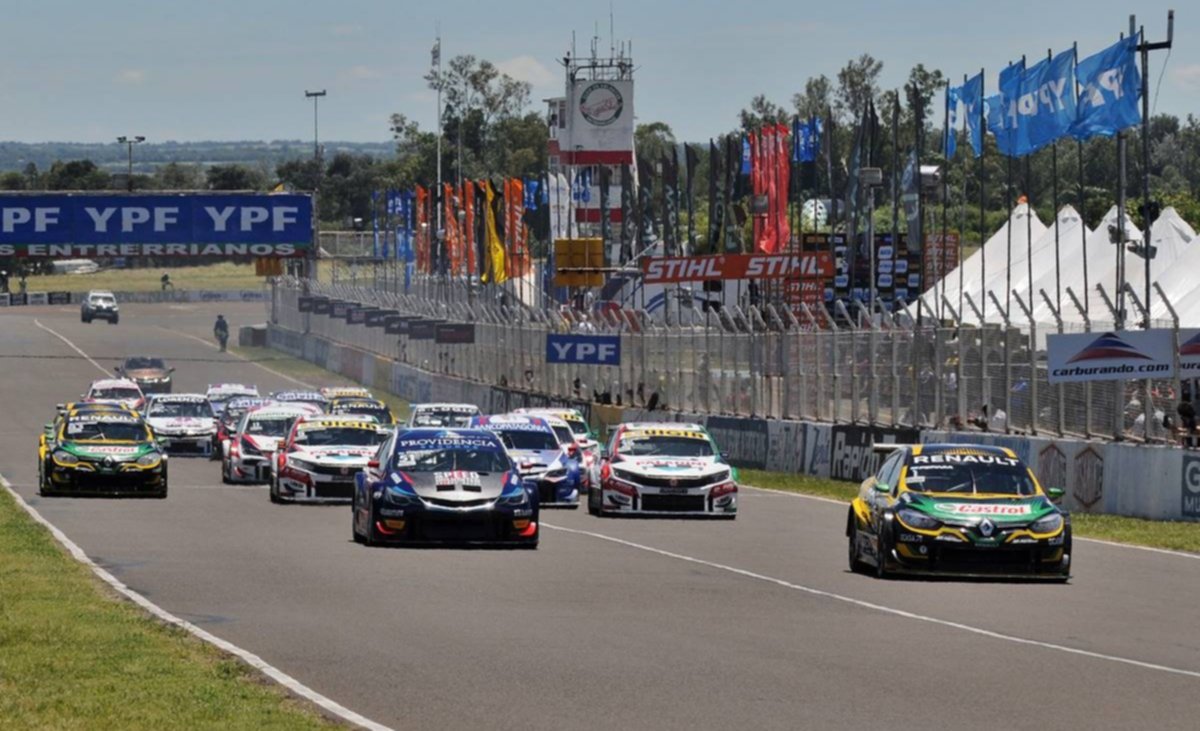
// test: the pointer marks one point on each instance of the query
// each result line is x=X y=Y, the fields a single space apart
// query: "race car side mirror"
x=883 y=487
x=373 y=464
x=1055 y=492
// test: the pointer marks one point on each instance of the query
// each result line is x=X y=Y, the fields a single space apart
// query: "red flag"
x=783 y=227
x=453 y=235
x=422 y=247
x=767 y=240
x=468 y=203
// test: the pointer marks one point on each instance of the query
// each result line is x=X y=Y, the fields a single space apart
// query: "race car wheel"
x=354 y=519
x=225 y=479
x=593 y=501
x=884 y=549
x=856 y=563
x=83 y=318
x=113 y=321
x=274 y=495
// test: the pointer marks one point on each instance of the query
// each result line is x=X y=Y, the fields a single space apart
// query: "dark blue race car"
x=540 y=456
x=439 y=485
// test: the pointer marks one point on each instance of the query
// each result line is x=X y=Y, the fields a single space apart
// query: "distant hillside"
x=147 y=156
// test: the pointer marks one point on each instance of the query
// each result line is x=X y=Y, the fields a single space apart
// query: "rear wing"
x=888 y=448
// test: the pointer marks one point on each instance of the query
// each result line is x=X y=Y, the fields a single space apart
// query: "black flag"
x=715 y=207
x=692 y=161
x=605 y=216
x=647 y=230
x=629 y=217
x=668 y=195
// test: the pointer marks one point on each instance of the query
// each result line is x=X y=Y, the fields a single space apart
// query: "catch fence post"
x=833 y=365
x=1062 y=401
x=1087 y=387
x=1031 y=346
x=1007 y=363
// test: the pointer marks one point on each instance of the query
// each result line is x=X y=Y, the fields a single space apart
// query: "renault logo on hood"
x=987 y=527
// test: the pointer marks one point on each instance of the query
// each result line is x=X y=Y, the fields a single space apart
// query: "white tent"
x=994 y=257
x=1181 y=278
x=1044 y=264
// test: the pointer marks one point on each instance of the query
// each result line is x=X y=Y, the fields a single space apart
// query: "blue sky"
x=214 y=69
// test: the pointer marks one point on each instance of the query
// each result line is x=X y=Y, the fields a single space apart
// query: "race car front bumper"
x=250 y=468
x=1007 y=556
x=319 y=485
x=485 y=525
x=121 y=479
x=560 y=493
x=200 y=445
x=624 y=497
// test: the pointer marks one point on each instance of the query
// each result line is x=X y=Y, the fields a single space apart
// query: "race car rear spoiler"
x=889 y=447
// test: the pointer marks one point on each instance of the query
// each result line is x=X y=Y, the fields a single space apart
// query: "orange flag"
x=468 y=235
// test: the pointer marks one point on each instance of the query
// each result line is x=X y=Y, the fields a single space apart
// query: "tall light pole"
x=129 y=142
x=315 y=96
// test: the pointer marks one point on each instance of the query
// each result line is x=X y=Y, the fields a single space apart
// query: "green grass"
x=215 y=277
x=74 y=657
x=1173 y=535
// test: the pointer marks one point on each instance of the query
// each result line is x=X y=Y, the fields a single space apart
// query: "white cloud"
x=1188 y=76
x=528 y=68
x=131 y=76
x=345 y=31
x=364 y=73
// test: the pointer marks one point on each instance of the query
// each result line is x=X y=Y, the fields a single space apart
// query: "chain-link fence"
x=755 y=362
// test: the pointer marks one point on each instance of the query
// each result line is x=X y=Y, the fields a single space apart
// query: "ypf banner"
x=674 y=269
x=1111 y=356
x=72 y=225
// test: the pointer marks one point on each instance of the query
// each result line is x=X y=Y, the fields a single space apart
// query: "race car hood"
x=457 y=486
x=130 y=402
x=963 y=510
x=534 y=460
x=263 y=443
x=99 y=452
x=175 y=423
x=336 y=456
x=670 y=466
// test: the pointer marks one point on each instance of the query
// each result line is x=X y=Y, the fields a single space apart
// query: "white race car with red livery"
x=321 y=457
x=219 y=394
x=121 y=391
x=183 y=423
x=663 y=468
x=248 y=456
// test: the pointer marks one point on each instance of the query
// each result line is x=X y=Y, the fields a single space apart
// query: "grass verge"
x=1171 y=535
x=72 y=657
x=224 y=276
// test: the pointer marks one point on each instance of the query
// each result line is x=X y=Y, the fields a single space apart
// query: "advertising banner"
x=744 y=440
x=852 y=456
x=602 y=119
x=421 y=329
x=17 y=299
x=377 y=317
x=941 y=256
x=454 y=333
x=583 y=349
x=198 y=224
x=59 y=298
x=1189 y=354
x=356 y=315
x=675 y=269
x=339 y=309
x=304 y=304
x=1111 y=356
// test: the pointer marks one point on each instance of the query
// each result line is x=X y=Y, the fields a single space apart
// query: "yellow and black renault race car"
x=957 y=509
x=102 y=452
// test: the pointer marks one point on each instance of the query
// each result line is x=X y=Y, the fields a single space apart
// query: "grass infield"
x=74 y=656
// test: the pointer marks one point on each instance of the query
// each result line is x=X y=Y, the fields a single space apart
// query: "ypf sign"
x=583 y=349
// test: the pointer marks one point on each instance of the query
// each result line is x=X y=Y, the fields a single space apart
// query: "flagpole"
x=982 y=209
x=895 y=175
x=942 y=273
x=1087 y=293
x=1029 y=228
x=437 y=63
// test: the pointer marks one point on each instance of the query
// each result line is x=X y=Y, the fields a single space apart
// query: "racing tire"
x=225 y=480
x=274 y=495
x=354 y=534
x=83 y=318
x=593 y=506
x=113 y=321
x=857 y=566
x=884 y=548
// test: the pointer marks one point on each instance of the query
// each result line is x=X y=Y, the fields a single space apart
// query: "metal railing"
x=765 y=362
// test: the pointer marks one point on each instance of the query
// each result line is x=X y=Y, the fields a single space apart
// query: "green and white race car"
x=107 y=453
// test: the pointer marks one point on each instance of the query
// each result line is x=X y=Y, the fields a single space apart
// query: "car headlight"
x=401 y=498
x=149 y=460
x=515 y=500
x=299 y=464
x=1050 y=524
x=65 y=458
x=557 y=473
x=914 y=519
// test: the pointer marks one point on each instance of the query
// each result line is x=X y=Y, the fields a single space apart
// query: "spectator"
x=166 y=282
x=991 y=419
x=1187 y=421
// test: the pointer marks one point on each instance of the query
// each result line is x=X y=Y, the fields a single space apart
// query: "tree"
x=77 y=175
x=653 y=140
x=761 y=113
x=858 y=82
x=299 y=174
x=234 y=177
x=12 y=181
x=816 y=99
x=176 y=176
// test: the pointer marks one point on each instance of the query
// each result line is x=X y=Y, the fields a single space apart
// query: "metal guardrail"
x=887 y=370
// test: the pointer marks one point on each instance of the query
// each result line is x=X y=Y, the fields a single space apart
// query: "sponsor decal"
x=109 y=450
x=1089 y=477
x=583 y=349
x=951 y=458
x=852 y=457
x=1108 y=346
x=744 y=440
x=601 y=104
x=1016 y=509
x=1191 y=486
x=1052 y=466
x=675 y=269
x=458 y=478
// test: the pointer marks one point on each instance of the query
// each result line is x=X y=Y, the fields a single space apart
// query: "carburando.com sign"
x=1189 y=354
x=185 y=224
x=1111 y=356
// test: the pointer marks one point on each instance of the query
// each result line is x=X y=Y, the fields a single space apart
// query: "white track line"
x=71 y=345
x=880 y=607
x=207 y=344
x=272 y=672
x=1114 y=544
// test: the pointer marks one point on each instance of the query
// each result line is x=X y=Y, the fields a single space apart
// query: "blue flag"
x=971 y=96
x=1046 y=105
x=375 y=223
x=1010 y=88
x=1110 y=90
x=953 y=93
x=745 y=156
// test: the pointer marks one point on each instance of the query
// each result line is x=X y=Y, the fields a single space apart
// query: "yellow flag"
x=495 y=245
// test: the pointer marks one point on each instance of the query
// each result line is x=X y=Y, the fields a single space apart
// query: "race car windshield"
x=564 y=434
x=453 y=419
x=533 y=440
x=362 y=409
x=971 y=478
x=106 y=431
x=579 y=426
x=137 y=364
x=270 y=427
x=664 y=447
x=115 y=394
x=181 y=410
x=445 y=460
x=340 y=437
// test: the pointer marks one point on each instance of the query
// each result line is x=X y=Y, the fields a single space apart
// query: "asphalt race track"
x=663 y=624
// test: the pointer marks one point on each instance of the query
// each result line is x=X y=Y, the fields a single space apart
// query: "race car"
x=311 y=398
x=150 y=374
x=540 y=457
x=585 y=437
x=51 y=430
x=663 y=468
x=219 y=394
x=357 y=405
x=332 y=392
x=959 y=509
x=183 y=423
x=321 y=456
x=448 y=415
x=120 y=391
x=229 y=418
x=443 y=485
x=102 y=453
x=249 y=455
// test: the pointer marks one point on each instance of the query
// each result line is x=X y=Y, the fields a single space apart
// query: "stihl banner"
x=673 y=269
